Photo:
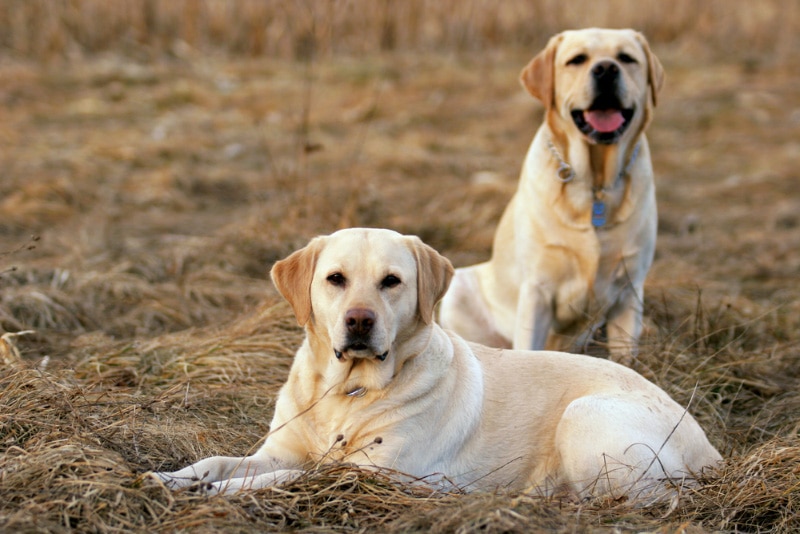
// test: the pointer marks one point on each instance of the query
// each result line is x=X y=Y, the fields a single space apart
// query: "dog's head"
x=363 y=291
x=602 y=82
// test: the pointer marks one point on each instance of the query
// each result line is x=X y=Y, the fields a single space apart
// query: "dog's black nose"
x=359 y=321
x=604 y=71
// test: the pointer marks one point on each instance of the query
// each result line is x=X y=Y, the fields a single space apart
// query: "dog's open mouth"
x=604 y=126
x=359 y=350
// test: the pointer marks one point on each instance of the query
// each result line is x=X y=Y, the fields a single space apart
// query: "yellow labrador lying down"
x=378 y=383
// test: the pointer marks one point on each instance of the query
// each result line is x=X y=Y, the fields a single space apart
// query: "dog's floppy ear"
x=655 y=72
x=434 y=273
x=538 y=76
x=292 y=276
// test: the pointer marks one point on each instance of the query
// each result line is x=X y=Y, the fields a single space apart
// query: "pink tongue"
x=604 y=121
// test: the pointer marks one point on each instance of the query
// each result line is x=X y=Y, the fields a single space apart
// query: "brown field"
x=158 y=156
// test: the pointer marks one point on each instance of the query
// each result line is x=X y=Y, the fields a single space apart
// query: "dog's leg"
x=216 y=469
x=624 y=326
x=253 y=481
x=612 y=445
x=534 y=317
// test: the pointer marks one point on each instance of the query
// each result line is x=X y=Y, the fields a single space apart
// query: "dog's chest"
x=614 y=274
x=606 y=273
x=343 y=430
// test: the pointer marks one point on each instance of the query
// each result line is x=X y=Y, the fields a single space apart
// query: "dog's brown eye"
x=390 y=281
x=580 y=59
x=625 y=58
x=336 y=279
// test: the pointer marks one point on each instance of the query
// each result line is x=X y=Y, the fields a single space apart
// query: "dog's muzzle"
x=359 y=323
x=340 y=354
x=606 y=119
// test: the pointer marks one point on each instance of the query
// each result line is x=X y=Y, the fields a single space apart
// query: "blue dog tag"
x=598 y=213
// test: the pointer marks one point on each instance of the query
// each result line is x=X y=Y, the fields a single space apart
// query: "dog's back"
x=587 y=424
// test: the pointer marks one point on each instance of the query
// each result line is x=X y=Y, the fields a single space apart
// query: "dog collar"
x=565 y=174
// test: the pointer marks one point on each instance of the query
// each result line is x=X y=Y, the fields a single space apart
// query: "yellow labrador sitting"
x=378 y=383
x=574 y=245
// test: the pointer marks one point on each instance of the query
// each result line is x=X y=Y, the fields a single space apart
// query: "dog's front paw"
x=175 y=481
x=168 y=479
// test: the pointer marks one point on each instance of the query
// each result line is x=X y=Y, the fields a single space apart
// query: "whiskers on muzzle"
x=359 y=325
x=607 y=117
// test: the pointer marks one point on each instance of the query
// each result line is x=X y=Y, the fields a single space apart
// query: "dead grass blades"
x=168 y=152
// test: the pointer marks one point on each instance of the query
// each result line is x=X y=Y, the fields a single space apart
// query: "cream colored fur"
x=553 y=277
x=409 y=396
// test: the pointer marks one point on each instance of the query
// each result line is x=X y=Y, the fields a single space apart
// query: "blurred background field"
x=44 y=29
x=158 y=156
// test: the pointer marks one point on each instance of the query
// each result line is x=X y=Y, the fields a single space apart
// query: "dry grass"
x=159 y=156
x=150 y=28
